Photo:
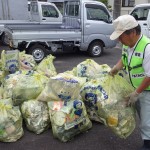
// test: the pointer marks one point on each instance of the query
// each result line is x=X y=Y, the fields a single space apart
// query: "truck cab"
x=95 y=22
x=141 y=13
x=45 y=12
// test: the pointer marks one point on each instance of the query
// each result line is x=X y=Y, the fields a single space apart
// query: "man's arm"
x=116 y=68
x=145 y=83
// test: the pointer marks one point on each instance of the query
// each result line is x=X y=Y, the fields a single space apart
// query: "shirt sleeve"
x=146 y=61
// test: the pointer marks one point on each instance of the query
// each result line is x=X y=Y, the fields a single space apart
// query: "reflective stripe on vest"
x=134 y=67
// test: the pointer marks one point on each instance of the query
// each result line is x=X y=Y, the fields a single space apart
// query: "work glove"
x=114 y=71
x=132 y=98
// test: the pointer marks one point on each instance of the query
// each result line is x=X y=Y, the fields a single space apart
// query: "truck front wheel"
x=38 y=52
x=95 y=49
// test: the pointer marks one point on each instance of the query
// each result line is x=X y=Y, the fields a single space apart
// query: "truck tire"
x=95 y=49
x=4 y=40
x=38 y=52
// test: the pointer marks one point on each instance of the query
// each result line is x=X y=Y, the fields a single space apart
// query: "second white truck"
x=141 y=12
x=24 y=12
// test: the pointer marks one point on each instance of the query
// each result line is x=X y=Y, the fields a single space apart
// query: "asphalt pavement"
x=98 y=138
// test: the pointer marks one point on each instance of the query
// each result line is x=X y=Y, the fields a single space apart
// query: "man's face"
x=127 y=39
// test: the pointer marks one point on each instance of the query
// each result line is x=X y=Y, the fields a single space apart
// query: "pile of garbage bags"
x=67 y=102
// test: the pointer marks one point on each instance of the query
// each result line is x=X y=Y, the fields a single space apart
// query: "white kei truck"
x=87 y=26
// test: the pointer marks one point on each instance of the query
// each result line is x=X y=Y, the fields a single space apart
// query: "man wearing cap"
x=136 y=61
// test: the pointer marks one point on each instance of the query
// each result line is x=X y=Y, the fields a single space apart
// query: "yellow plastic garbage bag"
x=36 y=116
x=10 y=123
x=46 y=66
x=61 y=87
x=22 y=87
x=93 y=96
x=68 y=121
x=90 y=69
x=10 y=61
x=105 y=101
x=26 y=61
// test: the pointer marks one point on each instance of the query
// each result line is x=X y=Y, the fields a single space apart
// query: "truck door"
x=97 y=23
x=141 y=15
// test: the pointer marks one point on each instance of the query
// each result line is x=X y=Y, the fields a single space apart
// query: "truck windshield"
x=95 y=12
x=140 y=13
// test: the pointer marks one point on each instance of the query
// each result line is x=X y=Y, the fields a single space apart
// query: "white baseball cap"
x=121 y=24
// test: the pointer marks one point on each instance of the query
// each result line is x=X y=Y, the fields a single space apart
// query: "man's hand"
x=114 y=71
x=132 y=98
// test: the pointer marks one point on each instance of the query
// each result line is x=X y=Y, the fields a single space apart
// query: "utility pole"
x=117 y=8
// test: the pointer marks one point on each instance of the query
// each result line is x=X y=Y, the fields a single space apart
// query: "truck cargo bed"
x=43 y=32
x=40 y=27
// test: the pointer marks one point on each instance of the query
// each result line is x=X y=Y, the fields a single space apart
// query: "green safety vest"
x=134 y=67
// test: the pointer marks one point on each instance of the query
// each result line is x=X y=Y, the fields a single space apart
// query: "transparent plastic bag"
x=36 y=116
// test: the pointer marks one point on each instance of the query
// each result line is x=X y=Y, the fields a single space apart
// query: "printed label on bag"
x=69 y=125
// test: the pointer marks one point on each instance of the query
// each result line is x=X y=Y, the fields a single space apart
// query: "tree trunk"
x=117 y=8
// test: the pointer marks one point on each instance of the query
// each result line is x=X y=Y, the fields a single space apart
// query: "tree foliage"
x=104 y=1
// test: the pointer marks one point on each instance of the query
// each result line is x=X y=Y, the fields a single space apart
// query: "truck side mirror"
x=110 y=20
